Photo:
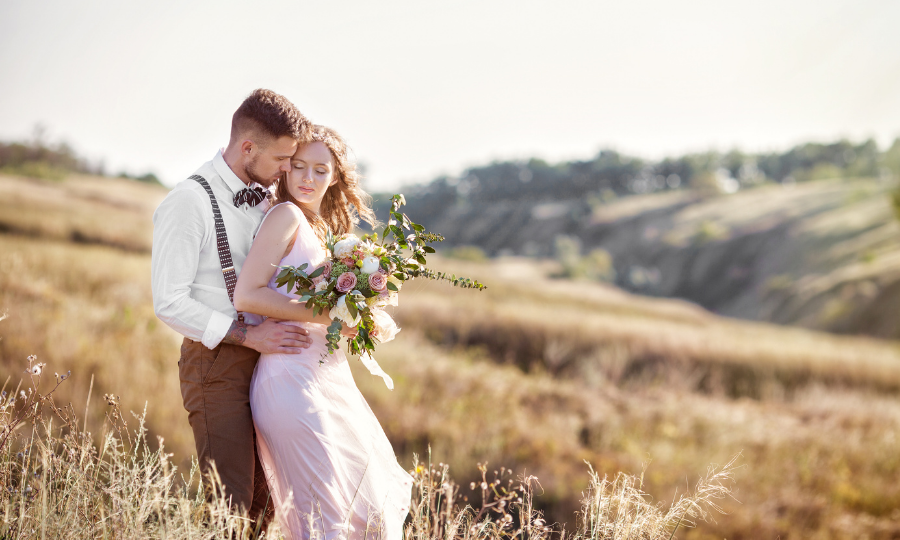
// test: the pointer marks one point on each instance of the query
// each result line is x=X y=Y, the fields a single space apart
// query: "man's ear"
x=247 y=146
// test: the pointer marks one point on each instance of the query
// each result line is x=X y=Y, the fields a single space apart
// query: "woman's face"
x=312 y=173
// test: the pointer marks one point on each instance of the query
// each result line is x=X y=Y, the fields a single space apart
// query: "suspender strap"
x=221 y=243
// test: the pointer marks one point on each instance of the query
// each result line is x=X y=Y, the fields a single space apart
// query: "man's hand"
x=349 y=332
x=272 y=336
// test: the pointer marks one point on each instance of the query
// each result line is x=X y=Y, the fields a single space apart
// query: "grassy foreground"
x=58 y=482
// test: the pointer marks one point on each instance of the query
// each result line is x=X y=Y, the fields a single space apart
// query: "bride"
x=330 y=468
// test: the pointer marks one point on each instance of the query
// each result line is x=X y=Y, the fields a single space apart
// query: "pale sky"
x=421 y=88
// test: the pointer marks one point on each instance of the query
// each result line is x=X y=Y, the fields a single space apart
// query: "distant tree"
x=148 y=178
x=891 y=158
x=891 y=162
x=40 y=159
x=610 y=174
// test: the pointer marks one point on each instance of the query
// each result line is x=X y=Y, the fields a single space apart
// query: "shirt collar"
x=234 y=183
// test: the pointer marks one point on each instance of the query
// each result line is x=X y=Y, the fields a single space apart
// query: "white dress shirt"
x=189 y=291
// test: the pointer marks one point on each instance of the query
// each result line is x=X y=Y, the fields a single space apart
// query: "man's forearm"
x=237 y=333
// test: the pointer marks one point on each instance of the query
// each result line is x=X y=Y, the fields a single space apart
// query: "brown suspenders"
x=221 y=243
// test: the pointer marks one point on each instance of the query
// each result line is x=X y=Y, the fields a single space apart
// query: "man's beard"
x=250 y=171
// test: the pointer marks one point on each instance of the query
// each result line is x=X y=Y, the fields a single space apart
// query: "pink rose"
x=327 y=265
x=349 y=262
x=326 y=273
x=346 y=282
x=378 y=282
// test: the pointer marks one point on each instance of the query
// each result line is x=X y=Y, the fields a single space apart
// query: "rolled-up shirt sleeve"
x=179 y=231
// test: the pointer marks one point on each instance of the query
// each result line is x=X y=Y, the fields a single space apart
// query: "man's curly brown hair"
x=268 y=116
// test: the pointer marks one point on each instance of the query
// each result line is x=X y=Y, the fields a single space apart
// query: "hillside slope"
x=114 y=212
x=822 y=254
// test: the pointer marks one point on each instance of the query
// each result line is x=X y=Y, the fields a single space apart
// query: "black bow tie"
x=251 y=196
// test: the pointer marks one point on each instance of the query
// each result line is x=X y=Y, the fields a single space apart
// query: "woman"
x=330 y=468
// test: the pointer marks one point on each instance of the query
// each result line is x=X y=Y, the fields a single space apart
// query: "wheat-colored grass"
x=573 y=328
x=536 y=375
x=58 y=483
x=812 y=463
x=86 y=209
x=88 y=309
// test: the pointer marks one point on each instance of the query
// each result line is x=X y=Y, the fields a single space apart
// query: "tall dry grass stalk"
x=619 y=509
x=58 y=483
x=88 y=309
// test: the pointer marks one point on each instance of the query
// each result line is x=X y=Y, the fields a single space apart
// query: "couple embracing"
x=282 y=430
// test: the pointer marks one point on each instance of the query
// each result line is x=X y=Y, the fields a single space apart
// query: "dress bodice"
x=307 y=249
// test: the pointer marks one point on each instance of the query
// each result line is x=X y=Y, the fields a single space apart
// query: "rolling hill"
x=538 y=374
x=823 y=254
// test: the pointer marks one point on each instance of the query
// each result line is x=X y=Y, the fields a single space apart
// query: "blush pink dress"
x=331 y=470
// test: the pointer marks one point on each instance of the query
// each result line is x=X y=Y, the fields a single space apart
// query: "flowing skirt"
x=331 y=470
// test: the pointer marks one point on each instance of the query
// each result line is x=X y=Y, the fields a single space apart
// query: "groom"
x=192 y=296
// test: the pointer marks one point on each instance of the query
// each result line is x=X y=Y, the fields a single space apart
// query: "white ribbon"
x=375 y=369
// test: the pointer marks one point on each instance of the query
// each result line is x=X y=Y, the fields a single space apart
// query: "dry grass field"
x=535 y=374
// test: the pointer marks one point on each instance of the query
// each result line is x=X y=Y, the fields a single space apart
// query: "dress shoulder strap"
x=269 y=213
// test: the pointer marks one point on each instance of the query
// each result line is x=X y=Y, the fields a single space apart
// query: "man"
x=190 y=294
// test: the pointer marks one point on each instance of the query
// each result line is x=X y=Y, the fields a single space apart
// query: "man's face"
x=269 y=162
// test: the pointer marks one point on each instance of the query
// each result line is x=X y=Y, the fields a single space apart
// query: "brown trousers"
x=215 y=386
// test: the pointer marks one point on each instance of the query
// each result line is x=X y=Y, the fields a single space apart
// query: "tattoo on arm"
x=237 y=333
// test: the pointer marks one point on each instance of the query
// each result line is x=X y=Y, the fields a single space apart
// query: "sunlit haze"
x=427 y=88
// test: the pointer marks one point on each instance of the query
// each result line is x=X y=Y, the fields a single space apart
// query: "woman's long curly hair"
x=344 y=202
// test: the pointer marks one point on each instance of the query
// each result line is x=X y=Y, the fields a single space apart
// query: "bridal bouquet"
x=362 y=276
